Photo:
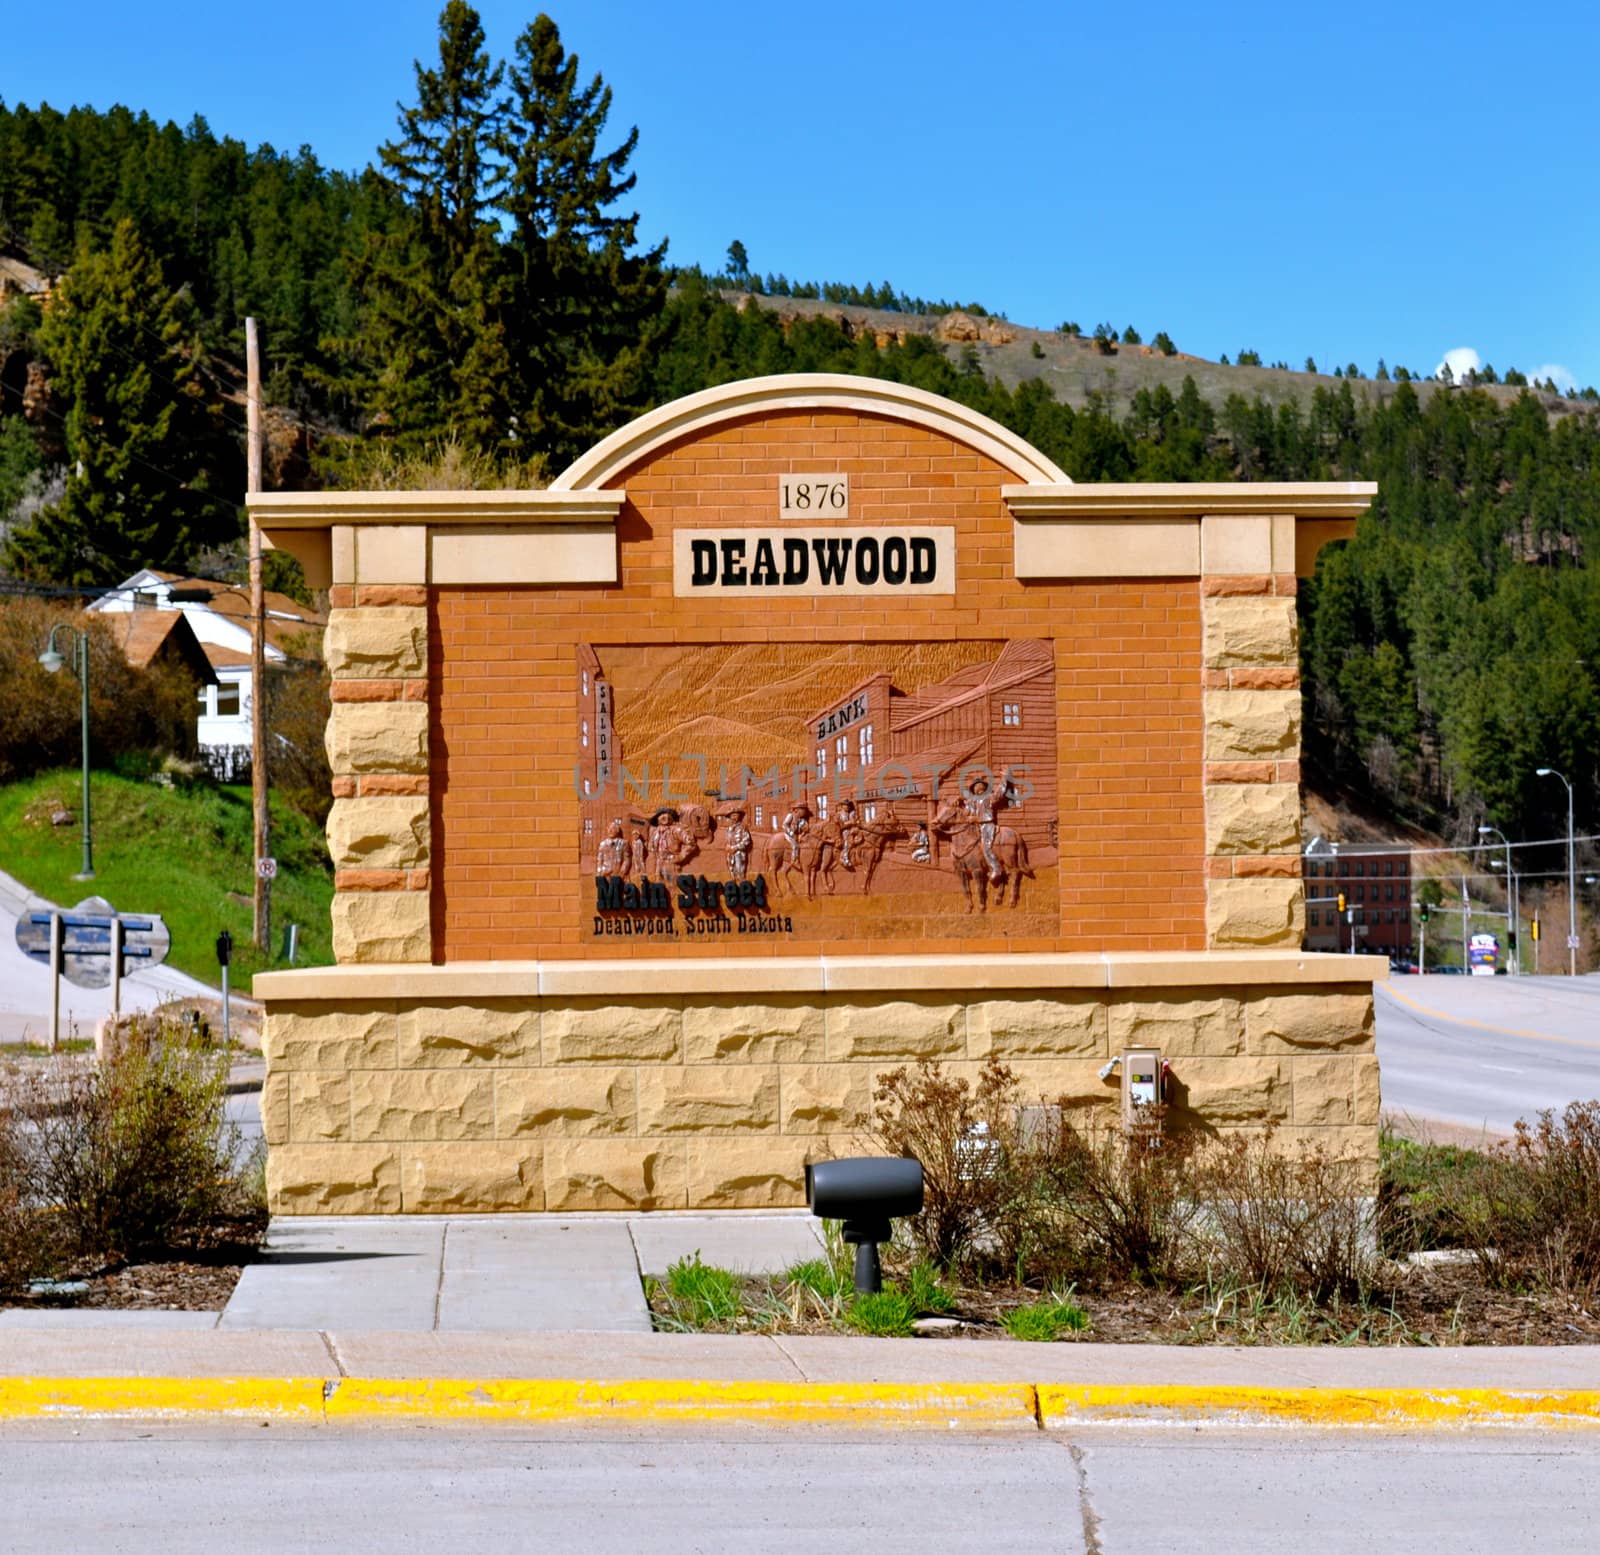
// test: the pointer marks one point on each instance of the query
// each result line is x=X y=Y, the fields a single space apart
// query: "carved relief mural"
x=818 y=791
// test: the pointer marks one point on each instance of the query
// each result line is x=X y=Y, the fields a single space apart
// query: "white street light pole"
x=1572 y=878
x=1513 y=917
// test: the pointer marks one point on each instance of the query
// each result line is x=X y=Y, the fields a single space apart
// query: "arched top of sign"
x=611 y=458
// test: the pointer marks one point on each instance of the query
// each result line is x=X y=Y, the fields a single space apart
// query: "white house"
x=219 y=616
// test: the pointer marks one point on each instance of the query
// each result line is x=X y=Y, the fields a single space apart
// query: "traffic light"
x=1422 y=913
x=1533 y=929
x=1341 y=901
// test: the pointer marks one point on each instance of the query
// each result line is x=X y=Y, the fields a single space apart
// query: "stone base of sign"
x=665 y=1085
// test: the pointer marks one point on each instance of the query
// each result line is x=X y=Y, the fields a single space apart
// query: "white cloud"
x=1558 y=374
x=1461 y=361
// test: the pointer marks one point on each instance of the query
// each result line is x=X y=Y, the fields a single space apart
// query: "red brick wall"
x=503 y=686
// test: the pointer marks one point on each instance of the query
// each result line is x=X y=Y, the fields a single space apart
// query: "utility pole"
x=1466 y=928
x=258 y=644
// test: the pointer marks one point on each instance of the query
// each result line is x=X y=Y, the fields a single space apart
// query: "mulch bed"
x=196 y=1277
x=1442 y=1304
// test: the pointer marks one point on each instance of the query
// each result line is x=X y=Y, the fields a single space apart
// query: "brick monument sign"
x=802 y=728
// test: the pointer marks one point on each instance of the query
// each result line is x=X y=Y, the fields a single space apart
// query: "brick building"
x=1376 y=886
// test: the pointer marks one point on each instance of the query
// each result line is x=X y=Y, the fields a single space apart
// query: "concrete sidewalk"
x=486 y=1273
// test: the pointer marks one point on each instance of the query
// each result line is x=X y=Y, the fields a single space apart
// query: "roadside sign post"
x=224 y=956
x=90 y=945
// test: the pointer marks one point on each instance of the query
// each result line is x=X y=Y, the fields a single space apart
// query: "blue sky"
x=1361 y=182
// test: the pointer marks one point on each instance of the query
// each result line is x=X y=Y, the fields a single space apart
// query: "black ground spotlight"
x=865 y=1192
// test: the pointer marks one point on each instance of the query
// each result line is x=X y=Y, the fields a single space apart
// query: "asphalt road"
x=1482 y=1052
x=177 y=1490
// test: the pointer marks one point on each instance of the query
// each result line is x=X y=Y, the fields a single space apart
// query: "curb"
x=881 y=1406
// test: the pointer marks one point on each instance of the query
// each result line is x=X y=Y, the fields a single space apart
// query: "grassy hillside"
x=183 y=854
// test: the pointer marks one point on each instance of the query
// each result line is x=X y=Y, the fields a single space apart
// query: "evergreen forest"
x=480 y=292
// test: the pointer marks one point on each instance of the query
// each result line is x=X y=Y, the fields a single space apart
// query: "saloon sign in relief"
x=831 y=792
x=833 y=559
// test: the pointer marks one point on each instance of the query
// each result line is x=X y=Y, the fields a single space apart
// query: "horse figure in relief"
x=1010 y=863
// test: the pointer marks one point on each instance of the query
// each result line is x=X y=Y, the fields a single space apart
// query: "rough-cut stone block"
x=382 y=833
x=333 y=1180
x=275 y=1109
x=1073 y=1083
x=747 y=1173
x=1309 y=1022
x=1355 y=1146
x=1250 y=630
x=1250 y=725
x=329 y=1036
x=896 y=1029
x=732 y=1099
x=474 y=1179
x=574 y=1101
x=581 y=1174
x=726 y=1030
x=371 y=644
x=448 y=1036
x=1252 y=818
x=1257 y=913
x=1232 y=1090
x=421 y=1104
x=1369 y=1090
x=1022 y=1028
x=1324 y=1091
x=593 y=1031
x=377 y=737
x=1180 y=1027
x=319 y=1107
x=381 y=926
x=824 y=1098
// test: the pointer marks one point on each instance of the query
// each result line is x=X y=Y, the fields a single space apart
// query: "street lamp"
x=1572 y=883
x=1512 y=914
x=52 y=662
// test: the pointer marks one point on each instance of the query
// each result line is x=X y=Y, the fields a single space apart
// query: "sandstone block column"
x=377 y=739
x=1251 y=644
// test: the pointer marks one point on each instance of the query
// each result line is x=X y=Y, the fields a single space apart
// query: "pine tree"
x=434 y=333
x=585 y=297
x=123 y=358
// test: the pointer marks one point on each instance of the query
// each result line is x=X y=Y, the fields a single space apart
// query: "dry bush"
x=26 y=1236
x=298 y=704
x=1530 y=1212
x=1286 y=1221
x=136 y=1151
x=40 y=712
x=963 y=1136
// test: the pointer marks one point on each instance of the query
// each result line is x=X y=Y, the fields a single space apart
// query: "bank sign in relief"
x=791 y=559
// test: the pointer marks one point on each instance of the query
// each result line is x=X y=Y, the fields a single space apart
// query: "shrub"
x=887 y=1313
x=962 y=1137
x=1279 y=1220
x=1128 y=1190
x=1044 y=1320
x=136 y=1151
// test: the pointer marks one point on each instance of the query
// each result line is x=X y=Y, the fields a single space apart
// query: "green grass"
x=1421 y=1193
x=886 y=1314
x=708 y=1294
x=927 y=1292
x=1045 y=1320
x=185 y=854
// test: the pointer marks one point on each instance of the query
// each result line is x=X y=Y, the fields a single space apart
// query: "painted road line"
x=1481 y=1025
x=938 y=1406
x=1062 y=1407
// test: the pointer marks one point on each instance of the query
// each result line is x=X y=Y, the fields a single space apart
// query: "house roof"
x=144 y=634
x=287 y=619
x=23 y=276
x=1018 y=661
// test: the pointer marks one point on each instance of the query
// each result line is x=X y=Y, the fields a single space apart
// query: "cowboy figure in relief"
x=611 y=857
x=671 y=843
x=849 y=832
x=983 y=806
x=795 y=824
x=921 y=848
x=639 y=851
x=738 y=845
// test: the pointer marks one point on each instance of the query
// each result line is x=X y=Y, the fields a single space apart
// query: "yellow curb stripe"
x=279 y=1398
x=1414 y=1408
x=942 y=1406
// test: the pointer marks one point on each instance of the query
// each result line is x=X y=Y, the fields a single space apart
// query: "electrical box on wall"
x=1141 y=1081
